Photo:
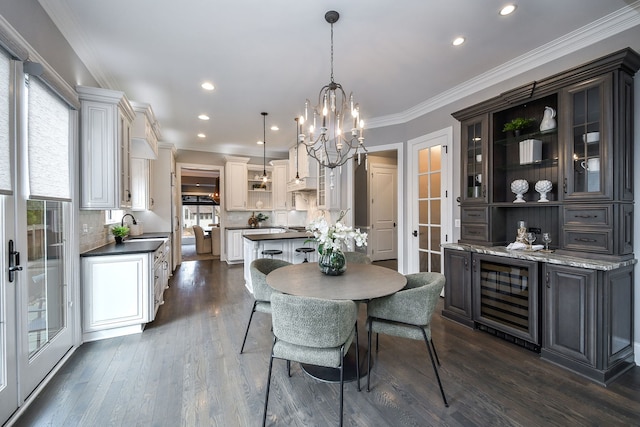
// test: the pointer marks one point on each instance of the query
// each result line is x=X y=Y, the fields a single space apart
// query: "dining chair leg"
x=435 y=368
x=266 y=397
x=377 y=342
x=434 y=351
x=289 y=368
x=341 y=383
x=246 y=332
x=369 y=355
x=357 y=357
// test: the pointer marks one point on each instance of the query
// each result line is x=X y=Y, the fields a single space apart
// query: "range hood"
x=304 y=184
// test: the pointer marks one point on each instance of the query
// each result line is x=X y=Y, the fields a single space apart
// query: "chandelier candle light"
x=325 y=138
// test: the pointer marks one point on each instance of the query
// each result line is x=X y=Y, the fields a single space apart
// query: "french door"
x=430 y=178
x=35 y=156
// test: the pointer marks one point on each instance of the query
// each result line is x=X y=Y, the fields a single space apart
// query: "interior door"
x=431 y=209
x=383 y=210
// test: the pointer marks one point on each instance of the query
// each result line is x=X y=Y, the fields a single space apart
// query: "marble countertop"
x=556 y=257
x=278 y=236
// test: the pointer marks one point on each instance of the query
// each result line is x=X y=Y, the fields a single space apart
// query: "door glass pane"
x=45 y=272
x=429 y=205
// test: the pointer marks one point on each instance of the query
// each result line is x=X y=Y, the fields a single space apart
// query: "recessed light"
x=207 y=86
x=275 y=128
x=202 y=135
x=259 y=142
x=507 y=10
x=458 y=41
x=203 y=117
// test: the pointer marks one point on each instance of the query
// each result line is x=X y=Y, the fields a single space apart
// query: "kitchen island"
x=287 y=242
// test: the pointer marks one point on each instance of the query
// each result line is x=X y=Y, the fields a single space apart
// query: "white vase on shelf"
x=519 y=187
x=543 y=187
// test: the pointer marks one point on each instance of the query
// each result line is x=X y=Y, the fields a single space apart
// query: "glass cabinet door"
x=585 y=175
x=474 y=158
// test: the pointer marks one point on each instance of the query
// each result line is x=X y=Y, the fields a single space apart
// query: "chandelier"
x=334 y=132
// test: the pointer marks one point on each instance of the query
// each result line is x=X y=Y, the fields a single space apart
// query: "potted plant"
x=119 y=232
x=517 y=125
x=261 y=217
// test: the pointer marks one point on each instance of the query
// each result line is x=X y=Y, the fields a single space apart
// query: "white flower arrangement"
x=333 y=237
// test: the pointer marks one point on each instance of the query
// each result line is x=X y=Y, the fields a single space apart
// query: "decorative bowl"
x=543 y=187
x=519 y=187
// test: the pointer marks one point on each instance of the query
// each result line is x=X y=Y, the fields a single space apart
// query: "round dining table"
x=360 y=282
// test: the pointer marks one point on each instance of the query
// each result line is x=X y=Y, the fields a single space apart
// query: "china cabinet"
x=105 y=149
x=577 y=310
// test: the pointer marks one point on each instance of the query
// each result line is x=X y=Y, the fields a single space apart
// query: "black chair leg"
x=357 y=357
x=377 y=346
x=246 y=332
x=434 y=351
x=341 y=383
x=266 y=398
x=435 y=368
x=289 y=368
x=369 y=355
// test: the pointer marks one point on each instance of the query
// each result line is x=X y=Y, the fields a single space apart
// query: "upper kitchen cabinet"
x=105 y=149
x=145 y=132
x=279 y=184
x=235 y=183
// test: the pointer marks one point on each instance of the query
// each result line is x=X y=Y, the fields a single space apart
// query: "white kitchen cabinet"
x=105 y=149
x=142 y=184
x=279 y=184
x=329 y=189
x=117 y=296
x=235 y=251
x=235 y=183
x=122 y=293
x=259 y=193
x=145 y=131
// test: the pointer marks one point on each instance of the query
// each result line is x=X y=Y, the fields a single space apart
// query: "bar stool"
x=305 y=251
x=271 y=252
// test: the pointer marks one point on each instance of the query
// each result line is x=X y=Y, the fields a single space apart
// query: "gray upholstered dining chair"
x=407 y=314
x=259 y=269
x=312 y=331
x=356 y=258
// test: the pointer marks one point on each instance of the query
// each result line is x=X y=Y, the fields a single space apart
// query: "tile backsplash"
x=96 y=234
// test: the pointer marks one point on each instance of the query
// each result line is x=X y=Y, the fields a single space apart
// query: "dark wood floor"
x=185 y=370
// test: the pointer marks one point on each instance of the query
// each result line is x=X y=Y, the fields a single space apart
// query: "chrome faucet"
x=132 y=217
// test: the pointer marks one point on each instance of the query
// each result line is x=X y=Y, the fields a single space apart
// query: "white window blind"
x=48 y=144
x=5 y=152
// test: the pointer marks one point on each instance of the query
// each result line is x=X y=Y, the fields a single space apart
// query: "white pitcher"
x=548 y=121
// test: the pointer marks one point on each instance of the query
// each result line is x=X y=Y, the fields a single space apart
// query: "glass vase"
x=332 y=262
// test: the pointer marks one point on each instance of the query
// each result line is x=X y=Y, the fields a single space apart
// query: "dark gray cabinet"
x=588 y=320
x=457 y=297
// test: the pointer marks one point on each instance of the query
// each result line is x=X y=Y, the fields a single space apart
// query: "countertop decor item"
x=261 y=218
x=543 y=187
x=119 y=232
x=331 y=239
x=253 y=221
x=519 y=187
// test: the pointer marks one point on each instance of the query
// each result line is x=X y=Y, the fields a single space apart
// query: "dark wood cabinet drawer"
x=582 y=215
x=474 y=232
x=477 y=215
x=599 y=241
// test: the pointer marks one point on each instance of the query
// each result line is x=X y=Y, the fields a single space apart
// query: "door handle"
x=14 y=262
x=415 y=233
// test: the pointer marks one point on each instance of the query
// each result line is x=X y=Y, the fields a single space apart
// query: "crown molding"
x=601 y=29
x=65 y=19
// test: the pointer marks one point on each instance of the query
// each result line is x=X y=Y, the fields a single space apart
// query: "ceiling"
x=272 y=55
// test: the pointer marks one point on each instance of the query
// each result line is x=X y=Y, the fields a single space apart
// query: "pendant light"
x=297 y=147
x=264 y=146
